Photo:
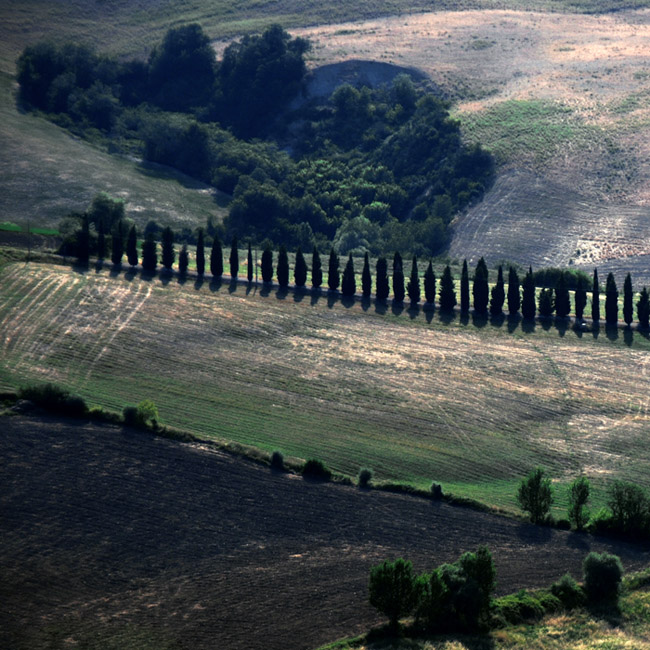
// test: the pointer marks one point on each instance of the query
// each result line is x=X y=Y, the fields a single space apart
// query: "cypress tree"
x=480 y=289
x=595 y=298
x=216 y=258
x=149 y=254
x=497 y=295
x=117 y=244
x=430 y=284
x=382 y=279
x=545 y=305
x=132 y=246
x=366 y=278
x=397 y=261
x=398 y=284
x=413 y=286
x=267 y=266
x=183 y=261
x=168 y=252
x=514 y=294
x=348 y=283
x=101 y=241
x=643 y=309
x=234 y=258
x=283 y=268
x=528 y=304
x=249 y=264
x=200 y=253
x=83 y=241
x=611 y=300
x=562 y=298
x=628 y=300
x=447 y=290
x=300 y=269
x=316 y=269
x=580 y=298
x=333 y=276
x=464 y=289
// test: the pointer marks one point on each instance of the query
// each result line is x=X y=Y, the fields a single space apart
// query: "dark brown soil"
x=106 y=531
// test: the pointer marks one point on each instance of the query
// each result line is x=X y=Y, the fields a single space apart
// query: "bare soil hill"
x=112 y=538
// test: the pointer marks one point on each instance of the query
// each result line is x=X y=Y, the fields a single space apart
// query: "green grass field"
x=474 y=408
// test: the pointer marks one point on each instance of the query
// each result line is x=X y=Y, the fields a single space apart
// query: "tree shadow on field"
x=115 y=271
x=479 y=320
x=99 y=265
x=545 y=323
x=628 y=336
x=332 y=298
x=397 y=307
x=497 y=320
x=365 y=303
x=413 y=311
x=299 y=294
x=446 y=316
x=165 y=277
x=347 y=301
x=527 y=326
x=611 y=332
x=595 y=330
x=561 y=325
x=315 y=295
x=130 y=273
x=182 y=279
x=215 y=284
x=534 y=534
x=381 y=307
x=464 y=318
x=232 y=286
x=429 y=314
x=82 y=269
x=610 y=612
x=265 y=291
x=147 y=276
x=281 y=293
x=579 y=541
x=578 y=330
x=513 y=322
x=198 y=283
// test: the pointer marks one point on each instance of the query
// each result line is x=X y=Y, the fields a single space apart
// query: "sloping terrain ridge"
x=112 y=538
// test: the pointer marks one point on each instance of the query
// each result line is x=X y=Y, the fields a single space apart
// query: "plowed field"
x=111 y=538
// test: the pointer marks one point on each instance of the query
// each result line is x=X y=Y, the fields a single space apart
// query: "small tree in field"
x=413 y=286
x=333 y=275
x=578 y=497
x=132 y=247
x=611 y=300
x=249 y=263
x=316 y=270
x=283 y=268
x=464 y=289
x=595 y=298
x=430 y=284
x=216 y=258
x=497 y=295
x=392 y=589
x=535 y=495
x=300 y=269
x=348 y=282
x=628 y=300
x=149 y=254
x=168 y=252
x=382 y=289
x=580 y=298
x=267 y=266
x=200 y=254
x=643 y=309
x=514 y=295
x=366 y=278
x=234 y=259
x=183 y=261
x=447 y=290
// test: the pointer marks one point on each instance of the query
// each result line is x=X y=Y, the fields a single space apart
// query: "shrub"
x=316 y=469
x=578 y=497
x=535 y=495
x=277 y=460
x=364 y=477
x=568 y=592
x=130 y=416
x=602 y=577
x=519 y=607
x=54 y=398
x=436 y=491
x=143 y=415
x=393 y=589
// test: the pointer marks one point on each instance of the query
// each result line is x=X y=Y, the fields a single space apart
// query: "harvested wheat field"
x=413 y=397
x=112 y=538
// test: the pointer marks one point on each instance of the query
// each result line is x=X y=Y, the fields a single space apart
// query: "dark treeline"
x=370 y=169
x=103 y=227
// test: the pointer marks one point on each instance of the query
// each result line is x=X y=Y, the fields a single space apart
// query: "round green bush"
x=316 y=469
x=568 y=591
x=364 y=477
x=277 y=460
x=602 y=577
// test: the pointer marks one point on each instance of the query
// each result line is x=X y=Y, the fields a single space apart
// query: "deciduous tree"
x=578 y=498
x=392 y=589
x=535 y=495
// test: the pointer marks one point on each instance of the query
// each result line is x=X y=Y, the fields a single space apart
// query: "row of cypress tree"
x=519 y=296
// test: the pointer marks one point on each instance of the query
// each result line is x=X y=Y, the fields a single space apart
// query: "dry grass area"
x=409 y=395
x=563 y=102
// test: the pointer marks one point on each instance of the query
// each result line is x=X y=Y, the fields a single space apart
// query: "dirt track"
x=111 y=530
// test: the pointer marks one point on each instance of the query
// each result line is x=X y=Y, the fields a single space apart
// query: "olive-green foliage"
x=277 y=460
x=535 y=495
x=630 y=508
x=497 y=295
x=549 y=277
x=525 y=606
x=364 y=477
x=283 y=268
x=392 y=589
x=643 y=309
x=602 y=573
x=316 y=469
x=568 y=592
x=54 y=398
x=143 y=415
x=578 y=498
x=447 y=290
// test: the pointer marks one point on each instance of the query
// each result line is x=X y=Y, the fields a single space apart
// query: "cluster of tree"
x=628 y=513
x=370 y=170
x=458 y=597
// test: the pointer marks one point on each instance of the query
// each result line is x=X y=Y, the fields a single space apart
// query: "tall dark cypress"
x=200 y=253
x=132 y=246
x=300 y=269
x=183 y=260
x=397 y=261
x=580 y=298
x=398 y=284
x=611 y=300
x=464 y=289
x=316 y=269
x=528 y=302
x=250 y=266
x=267 y=265
x=149 y=254
x=283 y=268
x=643 y=309
x=628 y=300
x=514 y=293
x=366 y=278
x=101 y=241
x=333 y=275
x=168 y=252
x=348 y=282
x=545 y=303
x=430 y=284
x=83 y=241
x=234 y=258
x=382 y=290
x=562 y=298
x=216 y=258
x=481 y=288
x=498 y=295
x=413 y=286
x=447 y=290
x=117 y=244
x=595 y=298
